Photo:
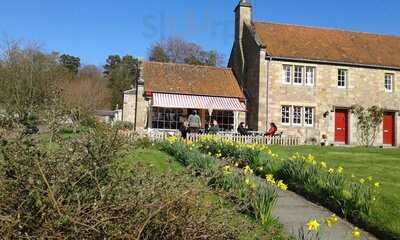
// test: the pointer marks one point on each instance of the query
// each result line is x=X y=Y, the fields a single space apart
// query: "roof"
x=190 y=79
x=331 y=45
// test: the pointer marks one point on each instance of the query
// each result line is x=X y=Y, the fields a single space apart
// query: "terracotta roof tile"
x=189 y=79
x=321 y=44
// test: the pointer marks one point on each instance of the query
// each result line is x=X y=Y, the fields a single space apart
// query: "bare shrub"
x=78 y=190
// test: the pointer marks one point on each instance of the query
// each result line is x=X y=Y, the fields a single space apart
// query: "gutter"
x=336 y=63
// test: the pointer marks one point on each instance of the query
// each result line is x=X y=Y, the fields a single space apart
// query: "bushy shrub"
x=123 y=125
x=81 y=191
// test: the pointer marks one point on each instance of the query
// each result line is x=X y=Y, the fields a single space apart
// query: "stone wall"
x=365 y=86
x=142 y=108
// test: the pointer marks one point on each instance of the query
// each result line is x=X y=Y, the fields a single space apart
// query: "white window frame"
x=288 y=108
x=391 y=75
x=345 y=80
x=301 y=76
x=284 y=74
x=306 y=80
x=294 y=114
x=306 y=109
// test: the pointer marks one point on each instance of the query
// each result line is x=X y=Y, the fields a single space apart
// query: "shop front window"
x=163 y=118
x=225 y=119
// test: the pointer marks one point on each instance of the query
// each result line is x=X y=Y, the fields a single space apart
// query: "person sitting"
x=272 y=130
x=242 y=129
x=214 y=129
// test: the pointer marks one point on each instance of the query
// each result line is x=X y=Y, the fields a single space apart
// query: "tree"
x=121 y=74
x=177 y=50
x=368 y=123
x=111 y=63
x=70 y=62
x=28 y=78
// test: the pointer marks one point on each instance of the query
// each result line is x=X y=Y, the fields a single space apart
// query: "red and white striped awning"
x=166 y=100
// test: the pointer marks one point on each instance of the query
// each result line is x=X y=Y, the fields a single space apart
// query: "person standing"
x=184 y=129
x=194 y=122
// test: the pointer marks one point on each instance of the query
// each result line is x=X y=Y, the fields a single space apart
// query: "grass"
x=161 y=162
x=382 y=164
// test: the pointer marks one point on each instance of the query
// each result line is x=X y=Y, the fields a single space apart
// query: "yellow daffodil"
x=281 y=185
x=369 y=178
x=331 y=170
x=362 y=180
x=331 y=220
x=377 y=184
x=227 y=170
x=172 y=139
x=269 y=177
x=340 y=170
x=355 y=233
x=323 y=164
x=248 y=170
x=313 y=225
x=353 y=176
x=247 y=181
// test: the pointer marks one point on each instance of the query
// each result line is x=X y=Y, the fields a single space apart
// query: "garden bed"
x=354 y=198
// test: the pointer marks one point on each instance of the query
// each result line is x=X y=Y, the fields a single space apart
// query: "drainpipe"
x=136 y=104
x=269 y=59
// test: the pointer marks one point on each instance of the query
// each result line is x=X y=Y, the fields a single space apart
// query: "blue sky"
x=94 y=29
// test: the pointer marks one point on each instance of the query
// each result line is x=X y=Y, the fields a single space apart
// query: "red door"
x=388 y=129
x=341 y=126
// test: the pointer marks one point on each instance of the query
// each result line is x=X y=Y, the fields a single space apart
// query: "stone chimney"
x=243 y=16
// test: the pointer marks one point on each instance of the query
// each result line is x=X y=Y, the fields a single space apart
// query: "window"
x=389 y=79
x=287 y=74
x=310 y=76
x=297 y=115
x=285 y=115
x=342 y=78
x=309 y=116
x=298 y=75
x=163 y=118
x=225 y=119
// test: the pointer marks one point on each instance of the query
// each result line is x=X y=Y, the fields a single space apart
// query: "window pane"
x=342 y=78
x=389 y=78
x=297 y=115
x=309 y=116
x=298 y=75
x=165 y=118
x=310 y=75
x=285 y=114
x=287 y=74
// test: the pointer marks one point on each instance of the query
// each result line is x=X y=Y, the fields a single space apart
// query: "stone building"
x=166 y=93
x=305 y=79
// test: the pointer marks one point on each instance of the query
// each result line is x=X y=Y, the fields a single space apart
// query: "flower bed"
x=249 y=193
x=350 y=197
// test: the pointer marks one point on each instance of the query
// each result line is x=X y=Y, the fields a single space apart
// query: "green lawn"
x=382 y=164
x=161 y=162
